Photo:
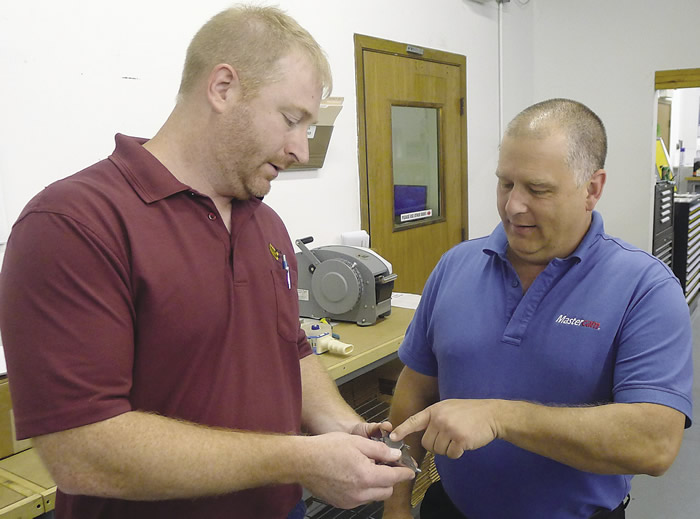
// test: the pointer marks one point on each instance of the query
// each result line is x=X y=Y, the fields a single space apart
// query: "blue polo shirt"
x=609 y=323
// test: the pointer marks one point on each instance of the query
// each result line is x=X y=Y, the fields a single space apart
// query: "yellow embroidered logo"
x=275 y=253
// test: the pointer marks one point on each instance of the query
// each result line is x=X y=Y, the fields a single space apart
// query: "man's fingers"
x=417 y=422
x=371 y=429
x=387 y=476
x=380 y=452
x=384 y=485
x=454 y=451
x=361 y=470
x=386 y=426
x=441 y=444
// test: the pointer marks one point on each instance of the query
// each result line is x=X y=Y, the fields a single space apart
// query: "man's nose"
x=517 y=202
x=298 y=145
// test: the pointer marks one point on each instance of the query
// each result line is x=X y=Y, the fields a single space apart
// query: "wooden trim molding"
x=683 y=78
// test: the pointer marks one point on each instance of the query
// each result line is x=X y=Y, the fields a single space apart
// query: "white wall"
x=604 y=53
x=518 y=58
x=78 y=71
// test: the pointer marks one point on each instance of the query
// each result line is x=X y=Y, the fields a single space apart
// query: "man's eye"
x=290 y=122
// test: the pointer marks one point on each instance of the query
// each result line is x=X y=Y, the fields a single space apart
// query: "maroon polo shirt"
x=122 y=289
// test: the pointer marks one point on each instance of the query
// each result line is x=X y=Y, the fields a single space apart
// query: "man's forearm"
x=140 y=456
x=606 y=439
x=323 y=408
x=637 y=438
x=414 y=392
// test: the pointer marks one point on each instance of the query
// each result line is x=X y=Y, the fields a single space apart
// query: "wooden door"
x=663 y=116
x=394 y=87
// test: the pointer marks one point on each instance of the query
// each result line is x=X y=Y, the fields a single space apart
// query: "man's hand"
x=371 y=429
x=453 y=426
x=345 y=470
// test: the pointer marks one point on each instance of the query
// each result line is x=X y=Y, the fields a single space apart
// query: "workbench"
x=373 y=345
x=26 y=487
x=693 y=184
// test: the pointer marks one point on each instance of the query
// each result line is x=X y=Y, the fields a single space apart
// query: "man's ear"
x=223 y=86
x=595 y=188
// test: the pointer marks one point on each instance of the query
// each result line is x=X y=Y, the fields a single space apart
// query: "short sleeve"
x=416 y=349
x=67 y=325
x=654 y=357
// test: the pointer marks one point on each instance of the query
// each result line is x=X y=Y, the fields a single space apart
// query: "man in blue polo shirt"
x=548 y=362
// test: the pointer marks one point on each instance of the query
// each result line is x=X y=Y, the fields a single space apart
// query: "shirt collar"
x=151 y=180
x=497 y=241
x=594 y=231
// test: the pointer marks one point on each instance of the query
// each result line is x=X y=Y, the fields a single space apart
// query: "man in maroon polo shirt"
x=149 y=321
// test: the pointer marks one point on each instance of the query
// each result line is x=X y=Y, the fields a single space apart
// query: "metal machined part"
x=406 y=459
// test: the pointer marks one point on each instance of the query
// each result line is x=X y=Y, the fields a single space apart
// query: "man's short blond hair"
x=584 y=131
x=252 y=40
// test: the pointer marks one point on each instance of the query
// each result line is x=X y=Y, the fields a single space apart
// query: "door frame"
x=672 y=80
x=362 y=43
x=681 y=78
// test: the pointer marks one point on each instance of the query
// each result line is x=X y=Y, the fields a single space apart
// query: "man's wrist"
x=509 y=416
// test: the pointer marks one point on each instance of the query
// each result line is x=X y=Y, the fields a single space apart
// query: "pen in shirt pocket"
x=285 y=266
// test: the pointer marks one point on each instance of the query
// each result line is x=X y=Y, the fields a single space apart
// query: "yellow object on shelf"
x=663 y=162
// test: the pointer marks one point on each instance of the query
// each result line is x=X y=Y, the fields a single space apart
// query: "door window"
x=415 y=164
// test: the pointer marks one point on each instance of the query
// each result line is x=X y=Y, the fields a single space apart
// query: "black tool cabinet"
x=662 y=244
x=686 y=243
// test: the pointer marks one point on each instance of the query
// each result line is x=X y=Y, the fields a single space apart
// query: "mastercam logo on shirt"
x=573 y=321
